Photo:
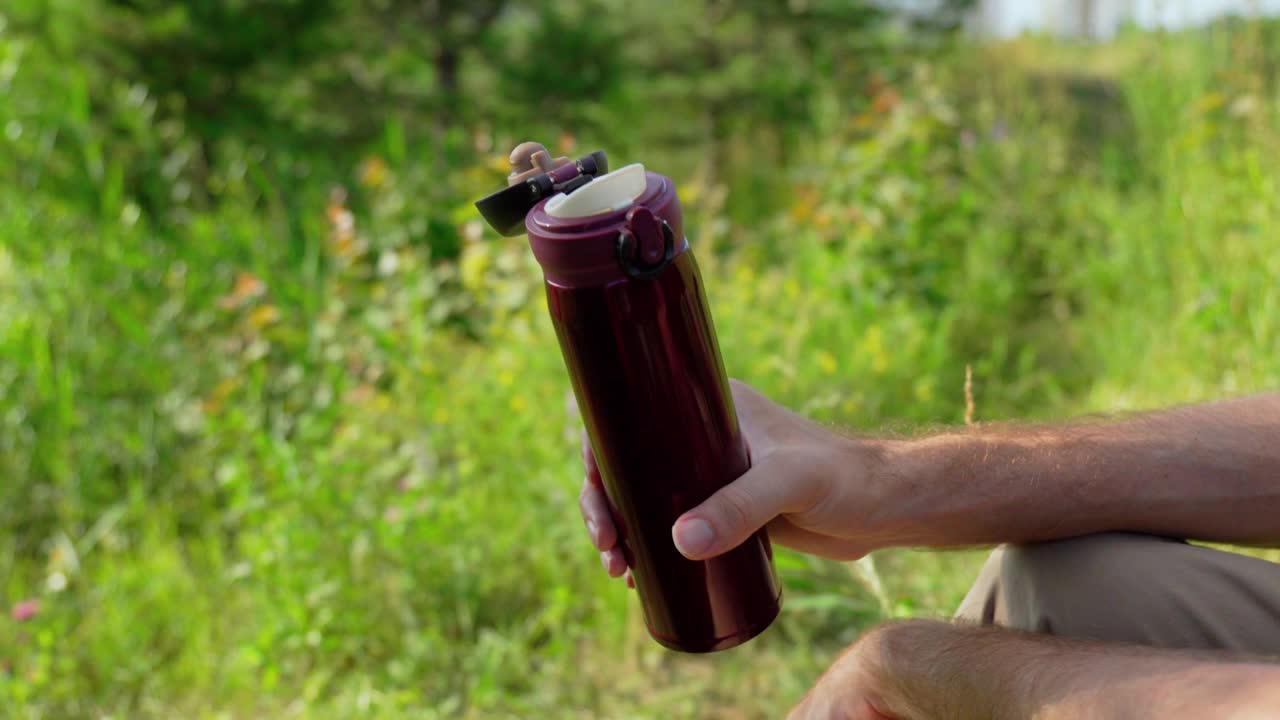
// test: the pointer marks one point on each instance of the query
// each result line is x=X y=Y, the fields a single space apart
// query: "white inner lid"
x=608 y=192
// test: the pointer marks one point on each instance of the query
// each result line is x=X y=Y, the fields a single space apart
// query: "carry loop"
x=646 y=245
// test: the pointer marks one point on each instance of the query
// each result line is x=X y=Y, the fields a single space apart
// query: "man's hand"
x=1206 y=472
x=925 y=669
x=854 y=688
x=818 y=492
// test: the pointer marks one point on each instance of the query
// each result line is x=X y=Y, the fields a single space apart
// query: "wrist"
x=891 y=656
x=909 y=505
x=930 y=668
x=869 y=486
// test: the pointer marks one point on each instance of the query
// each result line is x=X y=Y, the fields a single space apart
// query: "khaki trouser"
x=1125 y=587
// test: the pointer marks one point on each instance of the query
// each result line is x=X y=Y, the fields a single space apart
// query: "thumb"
x=727 y=518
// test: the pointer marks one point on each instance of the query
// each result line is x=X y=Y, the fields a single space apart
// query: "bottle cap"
x=621 y=235
x=587 y=226
x=535 y=176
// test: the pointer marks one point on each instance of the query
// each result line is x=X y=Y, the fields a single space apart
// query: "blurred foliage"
x=284 y=431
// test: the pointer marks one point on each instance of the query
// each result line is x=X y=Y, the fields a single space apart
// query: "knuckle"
x=736 y=507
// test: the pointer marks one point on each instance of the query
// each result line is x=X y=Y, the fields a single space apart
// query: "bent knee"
x=1109 y=586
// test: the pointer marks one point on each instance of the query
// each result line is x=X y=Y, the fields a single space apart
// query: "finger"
x=589 y=460
x=787 y=534
x=614 y=563
x=595 y=513
x=737 y=510
x=753 y=409
x=631 y=581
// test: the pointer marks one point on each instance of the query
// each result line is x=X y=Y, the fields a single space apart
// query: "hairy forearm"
x=1209 y=472
x=932 y=669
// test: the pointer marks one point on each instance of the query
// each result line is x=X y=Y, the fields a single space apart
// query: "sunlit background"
x=284 y=431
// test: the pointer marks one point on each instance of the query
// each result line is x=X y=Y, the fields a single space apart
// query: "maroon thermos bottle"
x=628 y=305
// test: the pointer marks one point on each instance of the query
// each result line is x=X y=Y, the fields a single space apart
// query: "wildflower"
x=247 y=287
x=342 y=226
x=885 y=100
x=25 y=610
x=213 y=403
x=56 y=582
x=360 y=394
x=373 y=172
x=827 y=362
x=805 y=202
x=388 y=263
x=1244 y=106
x=263 y=316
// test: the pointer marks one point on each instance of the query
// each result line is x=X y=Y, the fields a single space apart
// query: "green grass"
x=256 y=467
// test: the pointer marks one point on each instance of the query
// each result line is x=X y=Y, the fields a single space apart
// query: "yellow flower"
x=827 y=362
x=802 y=209
x=373 y=172
x=690 y=192
x=473 y=265
x=1211 y=102
x=263 y=316
x=499 y=163
x=873 y=346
